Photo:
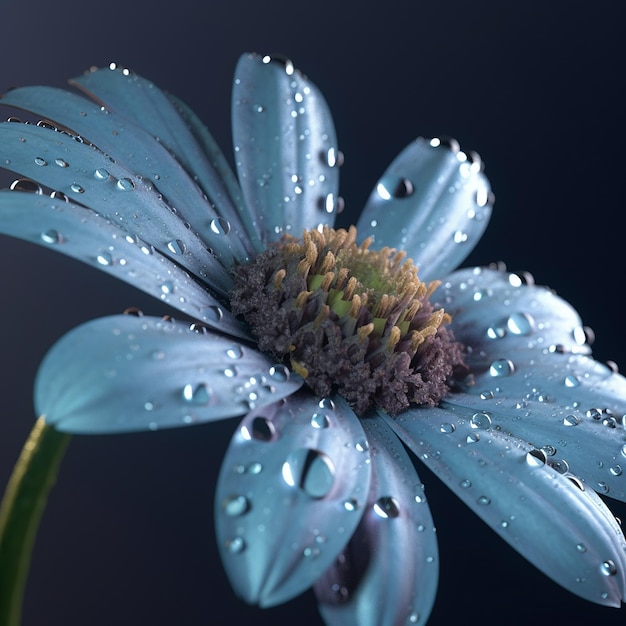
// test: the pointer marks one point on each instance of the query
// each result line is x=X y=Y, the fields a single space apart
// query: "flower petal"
x=290 y=494
x=84 y=235
x=88 y=176
x=432 y=201
x=127 y=373
x=130 y=144
x=531 y=380
x=562 y=529
x=387 y=575
x=285 y=147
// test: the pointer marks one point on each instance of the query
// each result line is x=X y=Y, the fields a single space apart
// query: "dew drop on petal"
x=51 y=236
x=484 y=500
x=176 y=246
x=61 y=163
x=125 y=184
x=105 y=258
x=234 y=352
x=236 y=545
x=279 y=373
x=101 y=174
x=608 y=568
x=571 y=381
x=501 y=367
x=536 y=458
x=447 y=428
x=480 y=420
x=262 y=429
x=386 y=507
x=220 y=226
x=520 y=323
x=197 y=394
x=235 y=506
x=310 y=470
x=571 y=420
x=76 y=188
x=41 y=162
x=320 y=420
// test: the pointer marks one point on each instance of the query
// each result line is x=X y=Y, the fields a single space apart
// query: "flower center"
x=349 y=319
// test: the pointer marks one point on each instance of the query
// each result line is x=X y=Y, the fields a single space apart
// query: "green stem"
x=21 y=510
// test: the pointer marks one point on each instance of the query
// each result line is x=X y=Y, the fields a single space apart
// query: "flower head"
x=332 y=344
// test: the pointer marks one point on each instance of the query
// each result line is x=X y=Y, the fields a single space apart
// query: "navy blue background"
x=534 y=87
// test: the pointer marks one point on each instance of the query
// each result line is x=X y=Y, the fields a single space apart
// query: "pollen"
x=350 y=320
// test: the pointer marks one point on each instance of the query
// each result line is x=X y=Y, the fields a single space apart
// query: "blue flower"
x=129 y=181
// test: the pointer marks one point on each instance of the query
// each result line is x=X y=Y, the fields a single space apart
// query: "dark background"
x=535 y=87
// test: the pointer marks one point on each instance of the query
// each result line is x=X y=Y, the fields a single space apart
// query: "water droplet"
x=235 y=506
x=351 y=505
x=447 y=428
x=105 y=258
x=484 y=500
x=236 y=545
x=501 y=367
x=393 y=187
x=279 y=373
x=76 y=188
x=326 y=403
x=197 y=394
x=602 y=487
x=581 y=547
x=51 y=236
x=320 y=420
x=310 y=470
x=571 y=420
x=472 y=438
x=536 y=458
x=254 y=468
x=125 y=184
x=262 y=429
x=571 y=381
x=331 y=203
x=386 y=507
x=487 y=394
x=61 y=162
x=496 y=332
x=521 y=323
x=167 y=287
x=608 y=568
x=101 y=174
x=480 y=420
x=176 y=246
x=234 y=352
x=595 y=414
x=332 y=157
x=459 y=237
x=220 y=226
x=466 y=483
x=40 y=161
x=26 y=185
x=414 y=618
x=616 y=470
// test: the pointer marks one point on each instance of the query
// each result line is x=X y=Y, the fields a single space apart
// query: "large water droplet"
x=236 y=545
x=320 y=420
x=480 y=420
x=197 y=394
x=536 y=458
x=76 y=188
x=61 y=162
x=608 y=568
x=41 y=162
x=262 y=429
x=220 y=226
x=125 y=184
x=27 y=185
x=310 y=470
x=279 y=373
x=392 y=187
x=176 y=246
x=501 y=367
x=571 y=420
x=101 y=174
x=105 y=258
x=234 y=352
x=521 y=323
x=386 y=507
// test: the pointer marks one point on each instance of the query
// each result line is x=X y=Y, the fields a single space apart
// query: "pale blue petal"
x=388 y=573
x=531 y=379
x=434 y=202
x=88 y=176
x=285 y=147
x=560 y=527
x=127 y=373
x=177 y=128
x=291 y=492
x=136 y=149
x=84 y=235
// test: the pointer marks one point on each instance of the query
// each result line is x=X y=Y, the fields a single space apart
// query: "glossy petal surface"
x=285 y=147
x=88 y=176
x=84 y=235
x=563 y=530
x=133 y=146
x=532 y=375
x=127 y=373
x=291 y=492
x=387 y=575
x=432 y=201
